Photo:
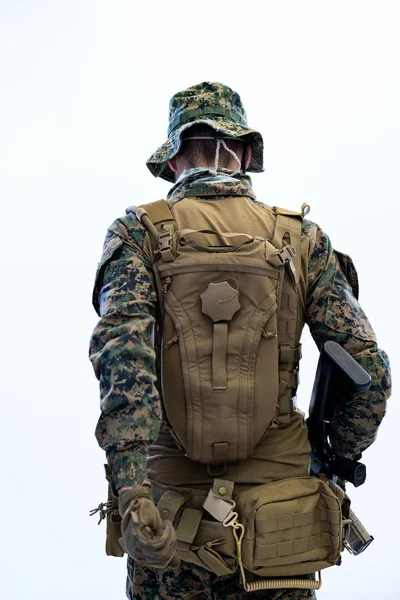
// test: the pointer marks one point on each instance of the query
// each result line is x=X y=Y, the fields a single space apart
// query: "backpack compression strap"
x=288 y=231
x=159 y=222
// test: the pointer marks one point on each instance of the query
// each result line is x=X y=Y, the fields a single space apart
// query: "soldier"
x=149 y=447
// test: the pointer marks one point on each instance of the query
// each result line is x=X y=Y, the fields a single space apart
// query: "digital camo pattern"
x=195 y=105
x=190 y=582
x=205 y=182
x=124 y=361
x=333 y=312
x=122 y=354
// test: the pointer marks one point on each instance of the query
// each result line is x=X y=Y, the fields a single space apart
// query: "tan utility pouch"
x=293 y=527
x=109 y=510
x=113 y=529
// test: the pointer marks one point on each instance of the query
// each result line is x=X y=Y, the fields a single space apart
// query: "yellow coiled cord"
x=268 y=584
x=282 y=584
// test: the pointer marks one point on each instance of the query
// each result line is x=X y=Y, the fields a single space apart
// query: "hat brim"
x=158 y=161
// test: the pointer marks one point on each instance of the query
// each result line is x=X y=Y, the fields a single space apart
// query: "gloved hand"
x=148 y=539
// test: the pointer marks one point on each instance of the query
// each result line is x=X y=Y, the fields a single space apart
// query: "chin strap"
x=233 y=154
x=219 y=141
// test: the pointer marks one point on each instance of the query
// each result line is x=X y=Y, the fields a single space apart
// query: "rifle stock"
x=338 y=376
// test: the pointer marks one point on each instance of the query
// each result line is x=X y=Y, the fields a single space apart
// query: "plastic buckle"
x=286 y=254
x=165 y=244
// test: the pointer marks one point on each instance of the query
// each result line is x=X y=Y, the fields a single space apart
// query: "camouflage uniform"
x=189 y=582
x=123 y=358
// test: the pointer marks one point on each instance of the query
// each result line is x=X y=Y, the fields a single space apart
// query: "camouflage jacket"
x=123 y=358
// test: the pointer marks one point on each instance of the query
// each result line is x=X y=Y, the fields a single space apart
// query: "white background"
x=84 y=95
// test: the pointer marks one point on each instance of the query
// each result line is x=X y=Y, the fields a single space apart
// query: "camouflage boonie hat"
x=207 y=103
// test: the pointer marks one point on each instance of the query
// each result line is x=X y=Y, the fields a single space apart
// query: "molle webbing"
x=288 y=231
x=286 y=528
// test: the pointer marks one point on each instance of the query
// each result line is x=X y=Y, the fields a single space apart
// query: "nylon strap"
x=289 y=355
x=184 y=232
x=270 y=524
x=170 y=503
x=222 y=488
x=220 y=344
x=286 y=254
x=165 y=243
x=220 y=451
x=212 y=559
x=301 y=546
x=288 y=226
x=219 y=501
x=288 y=223
x=188 y=526
x=158 y=212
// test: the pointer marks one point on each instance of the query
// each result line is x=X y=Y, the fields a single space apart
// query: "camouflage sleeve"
x=122 y=355
x=333 y=313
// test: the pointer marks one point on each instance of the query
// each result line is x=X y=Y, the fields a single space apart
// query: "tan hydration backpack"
x=232 y=307
x=230 y=331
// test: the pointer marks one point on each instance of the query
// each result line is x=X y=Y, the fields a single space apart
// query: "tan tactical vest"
x=231 y=278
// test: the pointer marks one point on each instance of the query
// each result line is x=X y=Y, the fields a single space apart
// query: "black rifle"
x=338 y=377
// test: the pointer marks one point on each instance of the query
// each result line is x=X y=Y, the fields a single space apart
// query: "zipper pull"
x=268 y=334
x=166 y=284
x=172 y=341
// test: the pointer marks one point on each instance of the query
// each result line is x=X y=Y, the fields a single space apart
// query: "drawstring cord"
x=231 y=152
x=220 y=141
x=104 y=508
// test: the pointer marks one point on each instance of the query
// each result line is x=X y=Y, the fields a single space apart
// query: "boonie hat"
x=208 y=103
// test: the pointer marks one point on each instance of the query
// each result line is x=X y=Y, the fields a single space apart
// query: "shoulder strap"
x=158 y=212
x=288 y=225
x=159 y=222
x=288 y=230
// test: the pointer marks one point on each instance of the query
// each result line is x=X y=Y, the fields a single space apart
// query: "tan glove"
x=148 y=539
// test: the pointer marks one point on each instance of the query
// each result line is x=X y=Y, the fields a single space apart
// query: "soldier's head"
x=207 y=128
x=203 y=146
